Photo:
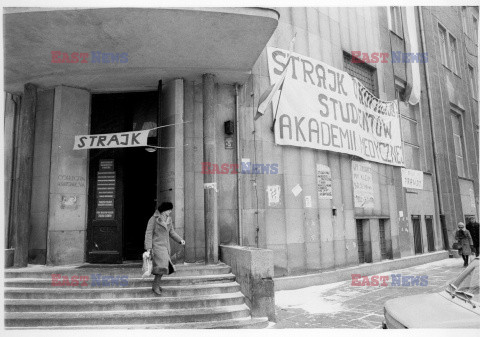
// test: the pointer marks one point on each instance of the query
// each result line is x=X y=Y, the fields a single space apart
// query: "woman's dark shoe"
x=157 y=290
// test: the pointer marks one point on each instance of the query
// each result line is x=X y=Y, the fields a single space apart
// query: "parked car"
x=455 y=307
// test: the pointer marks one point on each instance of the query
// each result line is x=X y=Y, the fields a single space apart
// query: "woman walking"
x=157 y=243
x=465 y=243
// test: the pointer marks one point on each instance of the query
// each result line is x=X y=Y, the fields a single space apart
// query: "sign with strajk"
x=324 y=108
x=111 y=140
x=362 y=184
x=412 y=179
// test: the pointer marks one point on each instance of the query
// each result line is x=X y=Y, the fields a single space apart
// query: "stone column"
x=68 y=200
x=210 y=180
x=24 y=173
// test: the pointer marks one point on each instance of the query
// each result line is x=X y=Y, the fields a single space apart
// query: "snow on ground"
x=313 y=299
x=328 y=298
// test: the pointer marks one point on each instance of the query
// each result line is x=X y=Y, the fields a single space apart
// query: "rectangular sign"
x=106 y=165
x=324 y=182
x=105 y=214
x=111 y=140
x=362 y=184
x=324 y=108
x=105 y=202
x=412 y=179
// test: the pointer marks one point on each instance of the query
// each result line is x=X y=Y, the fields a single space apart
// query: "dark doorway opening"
x=139 y=199
x=430 y=236
x=360 y=243
x=133 y=176
x=417 y=234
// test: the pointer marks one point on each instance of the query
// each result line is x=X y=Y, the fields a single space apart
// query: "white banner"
x=412 y=179
x=111 y=140
x=324 y=108
x=362 y=184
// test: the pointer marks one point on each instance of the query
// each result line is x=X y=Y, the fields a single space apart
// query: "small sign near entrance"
x=105 y=214
x=105 y=203
x=106 y=185
x=229 y=142
x=106 y=165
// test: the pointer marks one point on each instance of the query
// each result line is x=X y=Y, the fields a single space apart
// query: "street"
x=341 y=305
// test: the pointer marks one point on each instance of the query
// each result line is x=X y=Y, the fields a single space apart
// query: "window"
x=443 y=45
x=409 y=125
x=383 y=239
x=453 y=54
x=458 y=143
x=430 y=236
x=475 y=29
x=473 y=81
x=362 y=71
x=360 y=243
x=464 y=20
x=417 y=234
x=396 y=26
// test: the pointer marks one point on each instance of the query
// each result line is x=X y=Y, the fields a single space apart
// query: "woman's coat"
x=159 y=229
x=464 y=242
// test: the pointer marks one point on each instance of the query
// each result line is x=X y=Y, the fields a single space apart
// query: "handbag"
x=456 y=246
x=147 y=264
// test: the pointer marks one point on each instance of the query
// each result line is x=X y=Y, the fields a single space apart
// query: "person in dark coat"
x=465 y=243
x=157 y=243
x=472 y=227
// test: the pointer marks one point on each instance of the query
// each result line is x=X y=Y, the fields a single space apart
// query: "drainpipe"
x=239 y=199
x=432 y=134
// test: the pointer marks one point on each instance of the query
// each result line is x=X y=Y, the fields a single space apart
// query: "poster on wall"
x=324 y=108
x=363 y=195
x=324 y=182
x=273 y=193
x=412 y=179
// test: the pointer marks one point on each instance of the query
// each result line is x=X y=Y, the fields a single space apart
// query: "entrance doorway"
x=122 y=181
x=140 y=189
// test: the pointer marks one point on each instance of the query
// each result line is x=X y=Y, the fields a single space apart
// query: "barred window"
x=362 y=71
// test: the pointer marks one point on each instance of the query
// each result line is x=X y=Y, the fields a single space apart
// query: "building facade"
x=208 y=68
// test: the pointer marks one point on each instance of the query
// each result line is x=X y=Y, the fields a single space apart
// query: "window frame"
x=459 y=114
x=475 y=29
x=444 y=53
x=464 y=20
x=417 y=164
x=472 y=79
x=454 y=65
x=396 y=20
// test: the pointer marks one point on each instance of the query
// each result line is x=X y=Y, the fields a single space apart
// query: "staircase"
x=195 y=297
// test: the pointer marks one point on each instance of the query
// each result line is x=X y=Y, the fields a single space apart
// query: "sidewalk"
x=341 y=305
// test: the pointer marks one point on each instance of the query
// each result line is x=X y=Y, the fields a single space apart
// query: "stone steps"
x=76 y=305
x=96 y=281
x=238 y=323
x=132 y=271
x=137 y=292
x=126 y=317
x=196 y=296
